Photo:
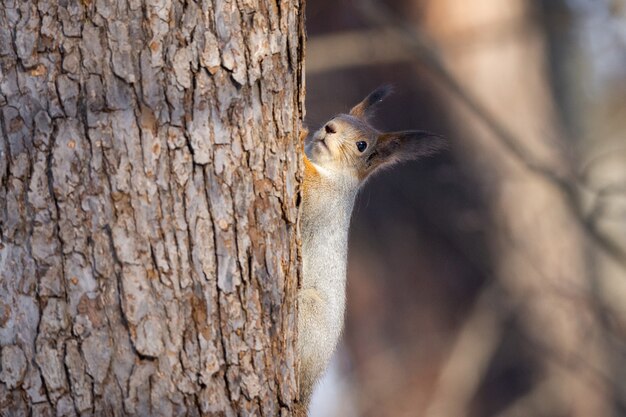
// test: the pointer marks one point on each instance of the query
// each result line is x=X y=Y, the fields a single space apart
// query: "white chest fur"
x=325 y=223
x=325 y=249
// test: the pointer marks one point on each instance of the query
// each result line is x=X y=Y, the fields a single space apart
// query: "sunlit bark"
x=148 y=202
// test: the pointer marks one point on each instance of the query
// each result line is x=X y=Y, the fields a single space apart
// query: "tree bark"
x=149 y=173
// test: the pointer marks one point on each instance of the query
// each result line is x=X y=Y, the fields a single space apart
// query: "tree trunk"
x=149 y=172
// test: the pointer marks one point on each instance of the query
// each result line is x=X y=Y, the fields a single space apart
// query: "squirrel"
x=339 y=158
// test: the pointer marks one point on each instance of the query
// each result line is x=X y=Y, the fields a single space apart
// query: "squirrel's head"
x=348 y=145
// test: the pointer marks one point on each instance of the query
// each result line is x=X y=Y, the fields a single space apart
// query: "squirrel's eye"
x=361 y=146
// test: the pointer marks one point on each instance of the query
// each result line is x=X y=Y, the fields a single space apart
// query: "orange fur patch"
x=311 y=176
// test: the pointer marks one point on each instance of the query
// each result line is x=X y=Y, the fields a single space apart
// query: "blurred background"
x=491 y=280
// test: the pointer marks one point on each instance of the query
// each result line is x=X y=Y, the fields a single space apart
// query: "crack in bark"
x=222 y=340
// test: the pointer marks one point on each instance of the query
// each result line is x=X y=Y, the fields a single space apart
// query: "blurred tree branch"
x=354 y=48
x=481 y=332
x=425 y=52
x=470 y=355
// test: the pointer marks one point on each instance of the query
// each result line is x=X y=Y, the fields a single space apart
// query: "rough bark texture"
x=148 y=202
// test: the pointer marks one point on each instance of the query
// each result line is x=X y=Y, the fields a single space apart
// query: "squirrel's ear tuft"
x=395 y=147
x=364 y=109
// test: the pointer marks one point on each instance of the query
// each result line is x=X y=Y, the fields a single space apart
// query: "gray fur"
x=322 y=298
x=337 y=169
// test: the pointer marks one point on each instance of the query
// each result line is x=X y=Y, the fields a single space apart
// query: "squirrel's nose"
x=330 y=128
